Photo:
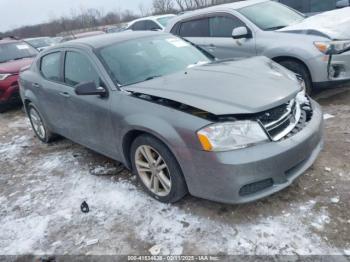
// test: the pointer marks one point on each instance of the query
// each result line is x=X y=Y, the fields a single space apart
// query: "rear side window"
x=152 y=25
x=195 y=28
x=222 y=26
x=50 y=66
x=139 y=26
x=78 y=69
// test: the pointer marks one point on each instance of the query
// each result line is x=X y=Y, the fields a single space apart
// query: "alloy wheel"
x=37 y=123
x=153 y=170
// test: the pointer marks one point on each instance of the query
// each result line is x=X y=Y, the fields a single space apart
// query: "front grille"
x=255 y=187
x=286 y=120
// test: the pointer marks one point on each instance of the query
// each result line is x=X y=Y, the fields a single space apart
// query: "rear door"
x=52 y=93
x=195 y=30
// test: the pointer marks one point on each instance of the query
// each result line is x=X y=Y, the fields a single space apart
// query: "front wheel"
x=301 y=70
x=157 y=169
x=39 y=127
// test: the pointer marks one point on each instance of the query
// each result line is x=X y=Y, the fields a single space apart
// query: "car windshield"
x=16 y=51
x=271 y=15
x=40 y=42
x=164 y=20
x=143 y=59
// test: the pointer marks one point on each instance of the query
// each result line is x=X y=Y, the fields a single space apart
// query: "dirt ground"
x=42 y=188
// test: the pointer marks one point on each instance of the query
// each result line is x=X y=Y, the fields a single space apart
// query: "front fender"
x=156 y=127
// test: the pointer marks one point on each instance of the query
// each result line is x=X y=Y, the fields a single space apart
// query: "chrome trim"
x=294 y=121
x=283 y=118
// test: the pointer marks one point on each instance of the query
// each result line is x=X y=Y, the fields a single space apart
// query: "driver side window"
x=78 y=69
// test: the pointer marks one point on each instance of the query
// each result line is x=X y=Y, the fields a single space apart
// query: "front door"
x=89 y=116
x=220 y=42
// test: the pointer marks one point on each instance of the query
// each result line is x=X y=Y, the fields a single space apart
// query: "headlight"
x=332 y=47
x=4 y=76
x=231 y=135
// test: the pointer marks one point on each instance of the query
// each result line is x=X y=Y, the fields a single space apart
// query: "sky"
x=16 y=13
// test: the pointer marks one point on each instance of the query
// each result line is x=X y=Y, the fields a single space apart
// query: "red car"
x=14 y=55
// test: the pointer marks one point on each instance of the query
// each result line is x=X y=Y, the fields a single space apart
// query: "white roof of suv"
x=153 y=18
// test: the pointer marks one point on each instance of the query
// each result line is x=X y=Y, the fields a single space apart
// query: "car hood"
x=335 y=24
x=224 y=88
x=13 y=67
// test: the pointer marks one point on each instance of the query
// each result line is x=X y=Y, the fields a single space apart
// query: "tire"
x=42 y=132
x=171 y=183
x=301 y=70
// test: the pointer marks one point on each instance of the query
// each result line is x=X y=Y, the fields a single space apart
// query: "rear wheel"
x=301 y=70
x=38 y=124
x=157 y=169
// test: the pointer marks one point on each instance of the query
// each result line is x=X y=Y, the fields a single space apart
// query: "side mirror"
x=241 y=32
x=90 y=89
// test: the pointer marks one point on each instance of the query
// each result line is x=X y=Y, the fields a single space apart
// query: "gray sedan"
x=228 y=131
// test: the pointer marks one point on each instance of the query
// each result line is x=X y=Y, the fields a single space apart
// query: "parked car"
x=311 y=7
x=151 y=23
x=81 y=35
x=262 y=27
x=57 y=39
x=179 y=119
x=40 y=43
x=115 y=29
x=14 y=54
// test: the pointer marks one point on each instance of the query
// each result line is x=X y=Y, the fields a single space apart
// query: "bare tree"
x=92 y=18
x=163 y=6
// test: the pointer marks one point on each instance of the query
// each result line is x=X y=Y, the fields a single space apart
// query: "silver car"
x=229 y=131
x=317 y=48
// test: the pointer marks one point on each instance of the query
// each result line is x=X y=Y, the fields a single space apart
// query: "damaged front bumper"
x=331 y=71
x=249 y=174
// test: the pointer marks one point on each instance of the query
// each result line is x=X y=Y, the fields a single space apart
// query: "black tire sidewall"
x=178 y=184
x=47 y=132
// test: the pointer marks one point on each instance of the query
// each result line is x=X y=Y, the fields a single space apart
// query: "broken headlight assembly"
x=333 y=47
x=231 y=135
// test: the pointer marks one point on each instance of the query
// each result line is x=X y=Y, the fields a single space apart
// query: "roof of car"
x=215 y=8
x=36 y=38
x=108 y=39
x=8 y=40
x=151 y=17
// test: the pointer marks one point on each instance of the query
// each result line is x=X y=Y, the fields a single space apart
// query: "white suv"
x=150 y=23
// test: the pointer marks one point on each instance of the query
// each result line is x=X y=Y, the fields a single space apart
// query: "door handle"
x=65 y=94
x=36 y=85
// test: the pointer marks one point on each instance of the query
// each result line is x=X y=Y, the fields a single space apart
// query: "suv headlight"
x=231 y=135
x=333 y=47
x=4 y=76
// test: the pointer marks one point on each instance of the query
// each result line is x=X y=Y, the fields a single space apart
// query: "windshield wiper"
x=199 y=63
x=151 y=77
x=275 y=28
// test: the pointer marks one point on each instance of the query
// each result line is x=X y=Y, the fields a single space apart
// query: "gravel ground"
x=42 y=188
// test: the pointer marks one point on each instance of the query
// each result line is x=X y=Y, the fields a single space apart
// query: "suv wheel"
x=157 y=169
x=301 y=70
x=39 y=127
